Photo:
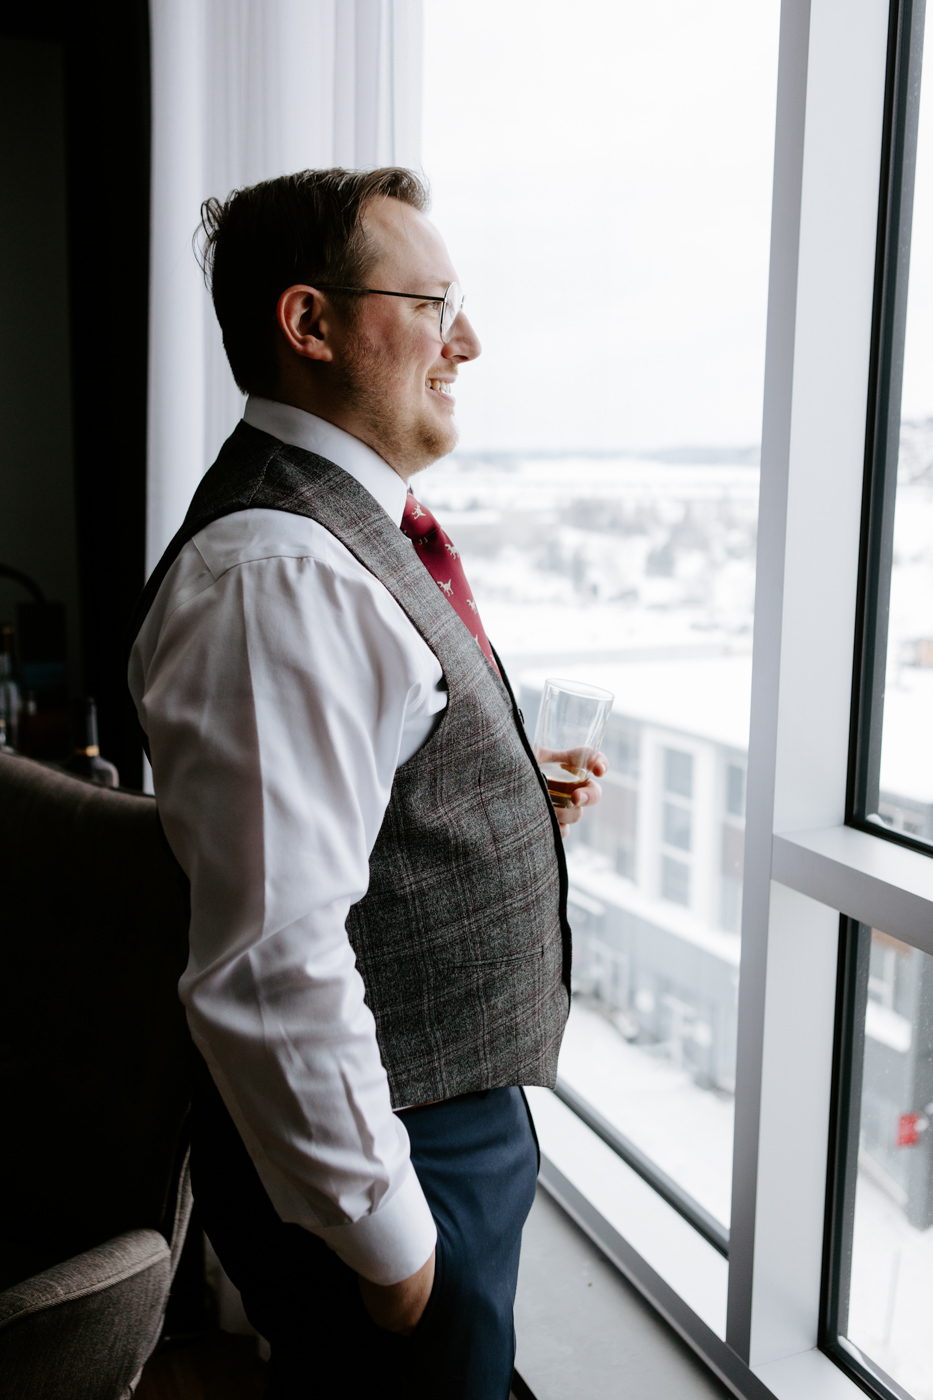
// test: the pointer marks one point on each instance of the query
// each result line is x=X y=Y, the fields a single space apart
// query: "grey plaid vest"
x=462 y=938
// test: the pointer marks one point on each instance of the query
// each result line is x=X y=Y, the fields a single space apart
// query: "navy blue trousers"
x=477 y=1160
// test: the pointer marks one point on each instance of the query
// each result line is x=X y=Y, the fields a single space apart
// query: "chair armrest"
x=84 y=1329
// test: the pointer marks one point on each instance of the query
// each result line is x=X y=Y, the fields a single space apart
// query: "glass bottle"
x=10 y=700
x=86 y=761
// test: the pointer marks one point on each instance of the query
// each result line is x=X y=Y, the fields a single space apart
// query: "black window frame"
x=842 y=1165
x=906 y=27
x=883 y=419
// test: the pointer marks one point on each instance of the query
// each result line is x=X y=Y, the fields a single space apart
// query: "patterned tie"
x=442 y=562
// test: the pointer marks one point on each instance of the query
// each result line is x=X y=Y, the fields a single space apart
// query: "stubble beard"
x=409 y=443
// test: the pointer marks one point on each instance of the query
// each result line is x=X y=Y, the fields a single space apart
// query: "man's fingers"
x=587 y=795
x=600 y=765
x=596 y=763
x=566 y=816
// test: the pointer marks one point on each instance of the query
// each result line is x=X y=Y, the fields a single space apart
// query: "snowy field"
x=598 y=554
x=575 y=555
x=891 y=1303
x=686 y=1130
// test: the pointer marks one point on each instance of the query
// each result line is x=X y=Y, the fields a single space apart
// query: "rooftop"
x=706 y=696
x=710 y=696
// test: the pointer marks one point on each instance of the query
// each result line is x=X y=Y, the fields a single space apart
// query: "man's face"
x=395 y=370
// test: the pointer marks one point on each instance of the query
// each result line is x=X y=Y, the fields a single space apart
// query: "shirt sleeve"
x=276 y=701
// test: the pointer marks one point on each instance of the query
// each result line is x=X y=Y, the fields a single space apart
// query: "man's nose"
x=464 y=343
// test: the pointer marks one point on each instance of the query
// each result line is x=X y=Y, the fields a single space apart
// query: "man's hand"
x=398 y=1306
x=587 y=795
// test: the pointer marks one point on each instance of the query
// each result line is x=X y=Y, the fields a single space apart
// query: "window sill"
x=808 y=1376
x=605 y=1198
x=577 y=1163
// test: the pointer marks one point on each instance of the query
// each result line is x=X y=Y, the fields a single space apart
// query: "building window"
x=733 y=852
x=622 y=746
x=735 y=790
x=677 y=826
x=678 y=772
x=675 y=880
x=733 y=847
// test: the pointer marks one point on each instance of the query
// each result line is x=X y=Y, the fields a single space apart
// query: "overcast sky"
x=602 y=173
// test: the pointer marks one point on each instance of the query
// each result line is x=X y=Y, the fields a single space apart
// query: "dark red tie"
x=442 y=562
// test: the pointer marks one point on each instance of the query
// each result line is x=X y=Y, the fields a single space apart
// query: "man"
x=379 y=946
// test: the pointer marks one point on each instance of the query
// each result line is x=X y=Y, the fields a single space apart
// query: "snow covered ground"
x=580 y=554
x=590 y=554
x=891 y=1303
x=686 y=1130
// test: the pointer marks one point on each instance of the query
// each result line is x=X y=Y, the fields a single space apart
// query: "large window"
x=744 y=1118
x=607 y=203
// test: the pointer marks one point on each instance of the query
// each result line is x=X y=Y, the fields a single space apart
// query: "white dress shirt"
x=281 y=685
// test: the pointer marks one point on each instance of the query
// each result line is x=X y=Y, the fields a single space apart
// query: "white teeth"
x=440 y=385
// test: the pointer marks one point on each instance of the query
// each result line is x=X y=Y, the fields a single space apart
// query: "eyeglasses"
x=451 y=302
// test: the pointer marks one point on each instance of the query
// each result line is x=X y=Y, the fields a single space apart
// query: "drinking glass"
x=571 y=723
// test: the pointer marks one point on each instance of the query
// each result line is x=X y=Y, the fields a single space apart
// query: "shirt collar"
x=301 y=429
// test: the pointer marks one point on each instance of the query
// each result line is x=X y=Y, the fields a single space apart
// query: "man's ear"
x=307 y=322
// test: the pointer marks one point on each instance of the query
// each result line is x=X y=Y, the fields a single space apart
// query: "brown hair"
x=296 y=228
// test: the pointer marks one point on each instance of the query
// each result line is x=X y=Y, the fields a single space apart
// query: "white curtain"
x=243 y=90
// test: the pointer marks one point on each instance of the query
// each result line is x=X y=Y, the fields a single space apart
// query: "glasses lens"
x=453 y=301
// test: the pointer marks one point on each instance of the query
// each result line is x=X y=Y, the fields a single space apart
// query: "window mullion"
x=831 y=91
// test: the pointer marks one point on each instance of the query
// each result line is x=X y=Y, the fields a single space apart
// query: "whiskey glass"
x=571 y=723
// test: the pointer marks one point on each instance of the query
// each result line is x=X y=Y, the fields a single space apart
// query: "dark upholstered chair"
x=94 y=1084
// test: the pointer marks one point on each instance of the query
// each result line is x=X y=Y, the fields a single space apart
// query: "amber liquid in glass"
x=563 y=781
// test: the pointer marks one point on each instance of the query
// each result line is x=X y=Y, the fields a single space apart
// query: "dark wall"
x=38 y=528
x=104 y=54
x=107 y=113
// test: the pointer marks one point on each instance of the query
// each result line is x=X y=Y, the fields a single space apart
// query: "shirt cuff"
x=392 y=1243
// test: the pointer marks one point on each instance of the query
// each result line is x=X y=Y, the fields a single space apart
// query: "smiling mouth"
x=441 y=386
